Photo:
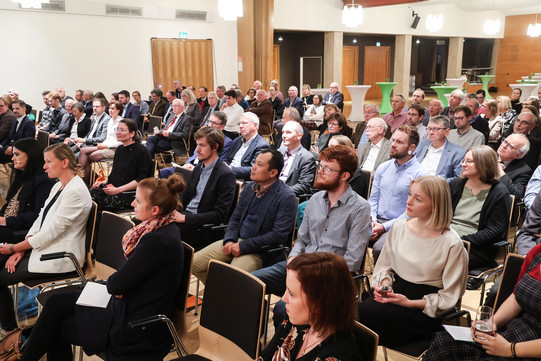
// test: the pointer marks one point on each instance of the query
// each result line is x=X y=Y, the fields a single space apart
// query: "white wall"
x=326 y=15
x=82 y=49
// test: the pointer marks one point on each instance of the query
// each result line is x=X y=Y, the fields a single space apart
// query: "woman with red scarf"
x=144 y=286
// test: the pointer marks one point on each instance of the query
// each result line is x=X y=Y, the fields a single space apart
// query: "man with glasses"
x=98 y=127
x=376 y=151
x=391 y=184
x=514 y=172
x=480 y=95
x=464 y=134
x=294 y=101
x=173 y=135
x=415 y=115
x=525 y=123
x=437 y=155
x=334 y=96
x=359 y=136
x=457 y=96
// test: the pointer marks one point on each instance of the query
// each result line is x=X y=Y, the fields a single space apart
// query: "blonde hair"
x=343 y=140
x=437 y=190
x=61 y=151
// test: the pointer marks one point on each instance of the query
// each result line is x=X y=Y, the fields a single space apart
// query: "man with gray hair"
x=294 y=101
x=457 y=96
x=262 y=107
x=244 y=149
x=376 y=151
x=213 y=101
x=65 y=97
x=417 y=98
x=291 y=114
x=435 y=107
x=359 y=136
x=398 y=116
x=299 y=164
x=514 y=172
x=334 y=96
x=437 y=155
x=174 y=133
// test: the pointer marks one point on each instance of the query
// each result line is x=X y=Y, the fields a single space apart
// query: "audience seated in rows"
x=334 y=96
x=455 y=99
x=359 y=136
x=293 y=101
x=313 y=116
x=464 y=134
x=22 y=127
x=514 y=173
x=417 y=97
x=78 y=126
x=291 y=114
x=415 y=114
x=337 y=124
x=276 y=101
x=130 y=110
x=57 y=136
x=212 y=107
x=262 y=107
x=98 y=128
x=376 y=151
x=477 y=121
x=263 y=217
x=525 y=124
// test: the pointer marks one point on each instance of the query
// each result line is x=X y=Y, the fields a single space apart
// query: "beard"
x=398 y=155
x=326 y=185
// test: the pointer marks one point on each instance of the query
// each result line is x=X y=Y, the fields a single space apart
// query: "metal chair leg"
x=266 y=320
x=196 y=307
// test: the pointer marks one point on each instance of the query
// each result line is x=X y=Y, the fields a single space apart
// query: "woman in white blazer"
x=60 y=226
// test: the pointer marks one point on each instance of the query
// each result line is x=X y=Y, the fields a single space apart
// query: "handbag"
x=9 y=347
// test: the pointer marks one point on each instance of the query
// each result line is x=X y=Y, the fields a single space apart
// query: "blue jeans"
x=274 y=278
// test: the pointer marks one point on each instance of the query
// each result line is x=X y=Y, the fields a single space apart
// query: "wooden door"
x=187 y=60
x=276 y=63
x=350 y=68
x=377 y=68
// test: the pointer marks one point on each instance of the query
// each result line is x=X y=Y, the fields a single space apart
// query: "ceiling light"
x=492 y=26
x=352 y=15
x=434 y=22
x=354 y=41
x=31 y=4
x=230 y=10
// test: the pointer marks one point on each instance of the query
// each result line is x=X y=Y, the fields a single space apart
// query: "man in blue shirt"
x=391 y=184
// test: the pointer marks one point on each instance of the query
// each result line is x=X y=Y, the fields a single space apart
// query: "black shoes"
x=474 y=283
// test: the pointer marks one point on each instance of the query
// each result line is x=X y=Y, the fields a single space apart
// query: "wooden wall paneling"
x=350 y=69
x=377 y=68
x=264 y=10
x=518 y=54
x=276 y=63
x=245 y=46
x=191 y=61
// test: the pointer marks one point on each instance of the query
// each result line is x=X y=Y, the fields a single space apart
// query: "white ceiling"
x=507 y=7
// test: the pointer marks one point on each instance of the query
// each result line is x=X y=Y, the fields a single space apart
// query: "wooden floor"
x=470 y=300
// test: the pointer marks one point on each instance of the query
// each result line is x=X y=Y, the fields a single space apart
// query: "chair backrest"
x=232 y=297
x=179 y=315
x=154 y=121
x=43 y=139
x=367 y=340
x=109 y=253
x=90 y=234
x=511 y=271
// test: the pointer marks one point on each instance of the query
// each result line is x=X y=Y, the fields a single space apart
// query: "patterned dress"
x=288 y=339
x=524 y=328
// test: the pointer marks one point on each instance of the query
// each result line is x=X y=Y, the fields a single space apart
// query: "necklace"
x=312 y=345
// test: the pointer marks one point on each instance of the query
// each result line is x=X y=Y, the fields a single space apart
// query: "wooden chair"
x=153 y=121
x=367 y=340
x=511 y=271
x=220 y=338
x=43 y=139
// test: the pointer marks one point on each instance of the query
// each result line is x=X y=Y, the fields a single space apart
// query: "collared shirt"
x=390 y=189
x=171 y=125
x=344 y=228
x=432 y=159
x=467 y=139
x=423 y=133
x=395 y=122
x=19 y=120
x=533 y=187
x=237 y=159
x=288 y=161
x=97 y=122
x=260 y=190
x=73 y=133
x=111 y=141
x=201 y=185
x=370 y=161
x=364 y=138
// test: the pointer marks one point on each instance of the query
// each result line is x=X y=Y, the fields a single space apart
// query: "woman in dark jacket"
x=144 y=286
x=481 y=205
x=28 y=190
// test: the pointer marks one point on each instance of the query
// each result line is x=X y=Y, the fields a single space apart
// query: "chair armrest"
x=179 y=346
x=454 y=314
x=71 y=256
x=148 y=320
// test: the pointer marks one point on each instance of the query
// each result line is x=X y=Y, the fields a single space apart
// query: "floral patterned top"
x=288 y=339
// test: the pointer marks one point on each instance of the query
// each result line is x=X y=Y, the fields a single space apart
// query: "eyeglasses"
x=326 y=170
x=506 y=144
x=523 y=122
x=467 y=161
x=460 y=118
x=413 y=114
x=214 y=123
x=434 y=129
x=373 y=126
x=334 y=124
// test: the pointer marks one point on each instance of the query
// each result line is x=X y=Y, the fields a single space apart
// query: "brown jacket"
x=264 y=112
x=5 y=124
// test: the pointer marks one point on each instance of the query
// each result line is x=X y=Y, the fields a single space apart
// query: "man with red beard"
x=336 y=219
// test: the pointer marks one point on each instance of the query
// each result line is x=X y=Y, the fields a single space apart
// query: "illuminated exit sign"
x=183 y=35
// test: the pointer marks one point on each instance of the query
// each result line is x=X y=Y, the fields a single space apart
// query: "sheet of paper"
x=94 y=295
x=459 y=333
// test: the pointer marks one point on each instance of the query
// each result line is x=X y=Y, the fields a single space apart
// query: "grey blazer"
x=450 y=165
x=302 y=172
x=101 y=132
x=383 y=155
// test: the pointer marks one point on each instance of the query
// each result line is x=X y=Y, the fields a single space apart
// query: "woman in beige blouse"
x=423 y=264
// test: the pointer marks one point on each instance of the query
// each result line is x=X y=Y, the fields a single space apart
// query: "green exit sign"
x=183 y=35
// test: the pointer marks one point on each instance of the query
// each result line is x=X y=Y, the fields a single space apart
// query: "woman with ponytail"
x=144 y=286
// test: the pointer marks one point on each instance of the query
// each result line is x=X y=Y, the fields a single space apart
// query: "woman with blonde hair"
x=307 y=96
x=506 y=113
x=191 y=108
x=341 y=139
x=489 y=111
x=481 y=206
x=421 y=271
x=60 y=227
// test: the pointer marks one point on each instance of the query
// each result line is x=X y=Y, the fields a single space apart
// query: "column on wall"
x=332 y=58
x=402 y=64
x=254 y=43
x=454 y=59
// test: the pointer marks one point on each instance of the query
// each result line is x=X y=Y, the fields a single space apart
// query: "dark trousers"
x=7 y=313
x=156 y=144
x=55 y=331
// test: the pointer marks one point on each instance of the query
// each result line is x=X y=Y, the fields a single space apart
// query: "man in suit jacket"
x=244 y=149
x=130 y=110
x=457 y=96
x=334 y=96
x=262 y=107
x=525 y=124
x=293 y=115
x=98 y=128
x=21 y=128
x=56 y=136
x=6 y=119
x=514 y=172
x=210 y=191
x=88 y=96
x=57 y=112
x=173 y=135
x=359 y=136
x=437 y=155
x=264 y=216
x=376 y=151
x=212 y=107
x=203 y=98
x=157 y=107
x=79 y=124
x=294 y=100
x=299 y=164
